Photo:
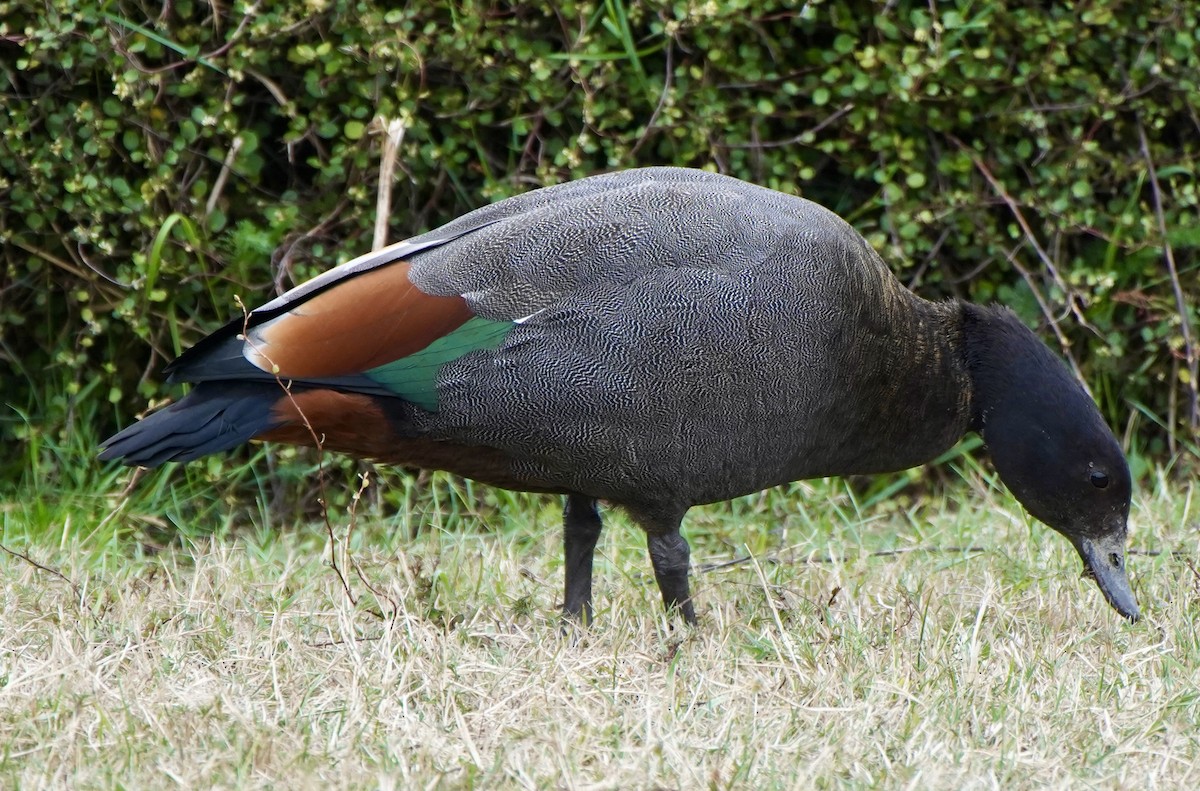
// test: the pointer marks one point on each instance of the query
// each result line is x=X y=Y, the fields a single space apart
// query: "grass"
x=855 y=648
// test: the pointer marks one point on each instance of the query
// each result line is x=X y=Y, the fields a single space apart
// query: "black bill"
x=1104 y=561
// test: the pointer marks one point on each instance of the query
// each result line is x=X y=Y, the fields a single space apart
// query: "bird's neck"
x=911 y=372
x=928 y=408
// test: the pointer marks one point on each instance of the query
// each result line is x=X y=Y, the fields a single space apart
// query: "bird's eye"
x=1099 y=480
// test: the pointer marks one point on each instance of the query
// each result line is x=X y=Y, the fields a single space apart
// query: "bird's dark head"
x=1050 y=445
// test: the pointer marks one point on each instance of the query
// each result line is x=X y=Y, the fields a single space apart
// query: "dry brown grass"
x=239 y=663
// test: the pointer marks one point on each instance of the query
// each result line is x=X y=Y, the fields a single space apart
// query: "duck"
x=652 y=339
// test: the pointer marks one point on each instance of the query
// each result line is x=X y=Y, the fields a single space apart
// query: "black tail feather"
x=213 y=417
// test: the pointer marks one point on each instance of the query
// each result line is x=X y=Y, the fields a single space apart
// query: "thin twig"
x=122 y=499
x=66 y=266
x=95 y=268
x=1065 y=344
x=1068 y=294
x=795 y=138
x=1189 y=349
x=350 y=560
x=226 y=166
x=336 y=643
x=204 y=59
x=882 y=553
x=283 y=266
x=1153 y=553
x=1195 y=575
x=777 y=559
x=322 y=499
x=668 y=76
x=53 y=572
x=271 y=86
x=1002 y=193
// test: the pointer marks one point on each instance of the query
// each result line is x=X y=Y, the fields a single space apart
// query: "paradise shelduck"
x=658 y=339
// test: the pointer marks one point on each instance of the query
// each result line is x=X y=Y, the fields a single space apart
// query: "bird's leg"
x=581 y=530
x=669 y=553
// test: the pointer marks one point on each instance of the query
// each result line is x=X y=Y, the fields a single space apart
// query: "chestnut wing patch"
x=376 y=324
x=361 y=323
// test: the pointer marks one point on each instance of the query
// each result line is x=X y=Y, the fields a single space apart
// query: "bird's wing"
x=388 y=321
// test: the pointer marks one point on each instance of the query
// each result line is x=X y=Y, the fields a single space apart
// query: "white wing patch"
x=524 y=319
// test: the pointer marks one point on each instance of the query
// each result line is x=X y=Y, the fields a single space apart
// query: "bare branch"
x=51 y=571
x=393 y=129
x=318 y=442
x=1002 y=193
x=223 y=176
x=1189 y=348
x=791 y=141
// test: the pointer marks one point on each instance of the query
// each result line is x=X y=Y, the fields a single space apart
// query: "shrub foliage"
x=157 y=160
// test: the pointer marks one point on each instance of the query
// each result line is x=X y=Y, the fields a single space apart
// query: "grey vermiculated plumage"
x=685 y=312
x=675 y=337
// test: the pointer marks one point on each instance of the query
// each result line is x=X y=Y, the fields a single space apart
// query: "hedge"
x=159 y=160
